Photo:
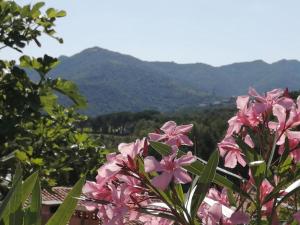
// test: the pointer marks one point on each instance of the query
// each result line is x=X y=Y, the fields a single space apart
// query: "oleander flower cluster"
x=263 y=137
x=258 y=184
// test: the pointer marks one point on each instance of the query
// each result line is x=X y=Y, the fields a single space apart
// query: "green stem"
x=258 y=207
x=272 y=152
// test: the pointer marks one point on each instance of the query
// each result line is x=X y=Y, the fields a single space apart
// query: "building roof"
x=56 y=196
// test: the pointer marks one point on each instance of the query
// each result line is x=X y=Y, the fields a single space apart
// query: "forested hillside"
x=113 y=82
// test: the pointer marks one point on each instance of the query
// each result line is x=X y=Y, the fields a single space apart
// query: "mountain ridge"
x=114 y=82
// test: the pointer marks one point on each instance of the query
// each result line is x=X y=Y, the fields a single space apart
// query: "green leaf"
x=11 y=208
x=22 y=156
x=204 y=181
x=37 y=161
x=285 y=165
x=48 y=100
x=38 y=6
x=28 y=185
x=33 y=214
x=179 y=192
x=61 y=13
x=25 y=61
x=8 y=157
x=66 y=209
x=69 y=89
x=231 y=198
x=51 y=12
x=35 y=12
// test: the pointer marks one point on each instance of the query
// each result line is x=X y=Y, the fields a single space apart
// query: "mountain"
x=115 y=82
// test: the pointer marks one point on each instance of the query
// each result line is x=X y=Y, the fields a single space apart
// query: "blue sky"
x=216 y=32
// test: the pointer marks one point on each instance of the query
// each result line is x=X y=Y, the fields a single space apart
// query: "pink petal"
x=181 y=176
x=249 y=141
x=259 y=107
x=174 y=140
x=280 y=112
x=281 y=140
x=296 y=155
x=241 y=160
x=127 y=149
x=234 y=126
x=90 y=187
x=183 y=129
x=162 y=181
x=186 y=159
x=242 y=102
x=156 y=137
x=253 y=92
x=184 y=140
x=275 y=93
x=293 y=134
x=168 y=127
x=151 y=164
x=111 y=156
x=239 y=218
x=286 y=103
x=230 y=160
x=215 y=212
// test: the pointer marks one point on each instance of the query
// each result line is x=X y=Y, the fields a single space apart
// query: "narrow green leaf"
x=66 y=209
x=8 y=156
x=231 y=198
x=179 y=192
x=204 y=181
x=28 y=185
x=11 y=207
x=33 y=213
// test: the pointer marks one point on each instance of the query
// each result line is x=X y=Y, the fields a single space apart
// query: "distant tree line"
x=209 y=126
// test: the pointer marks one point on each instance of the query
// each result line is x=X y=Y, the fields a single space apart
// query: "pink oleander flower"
x=132 y=149
x=246 y=116
x=294 y=149
x=96 y=191
x=116 y=212
x=286 y=121
x=265 y=189
x=128 y=152
x=171 y=169
x=266 y=102
x=173 y=134
x=232 y=153
x=216 y=208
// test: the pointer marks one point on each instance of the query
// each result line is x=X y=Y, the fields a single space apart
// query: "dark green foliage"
x=209 y=126
x=35 y=129
x=20 y=25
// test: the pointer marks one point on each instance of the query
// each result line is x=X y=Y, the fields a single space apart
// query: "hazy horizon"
x=124 y=53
